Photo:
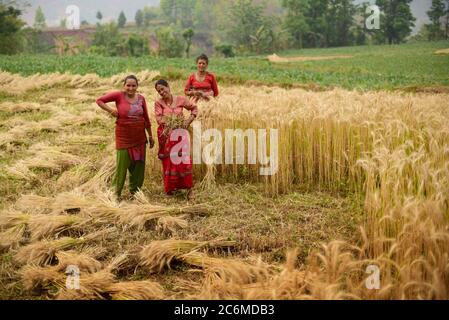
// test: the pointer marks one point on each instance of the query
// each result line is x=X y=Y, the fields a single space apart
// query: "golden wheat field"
x=363 y=181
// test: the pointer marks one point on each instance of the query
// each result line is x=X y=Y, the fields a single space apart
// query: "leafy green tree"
x=248 y=23
x=340 y=21
x=188 y=35
x=179 y=12
x=34 y=42
x=226 y=50
x=121 y=20
x=137 y=46
x=170 y=42
x=446 y=21
x=99 y=16
x=149 y=14
x=10 y=25
x=39 y=19
x=139 y=18
x=436 y=13
x=397 y=19
x=295 y=20
x=108 y=41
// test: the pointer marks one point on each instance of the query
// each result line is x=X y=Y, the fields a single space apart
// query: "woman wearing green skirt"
x=132 y=122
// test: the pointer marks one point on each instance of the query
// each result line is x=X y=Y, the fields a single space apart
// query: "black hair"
x=202 y=57
x=161 y=82
x=131 y=77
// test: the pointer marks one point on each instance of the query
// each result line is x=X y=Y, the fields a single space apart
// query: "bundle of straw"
x=159 y=254
x=136 y=290
x=172 y=122
x=42 y=226
x=43 y=252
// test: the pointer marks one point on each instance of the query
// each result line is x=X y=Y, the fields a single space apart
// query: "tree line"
x=238 y=26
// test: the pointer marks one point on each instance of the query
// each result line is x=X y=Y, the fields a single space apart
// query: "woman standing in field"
x=174 y=145
x=132 y=121
x=202 y=84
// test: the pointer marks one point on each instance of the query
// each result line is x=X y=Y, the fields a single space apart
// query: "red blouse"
x=209 y=84
x=179 y=104
x=131 y=122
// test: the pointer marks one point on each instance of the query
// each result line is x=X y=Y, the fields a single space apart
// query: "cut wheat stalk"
x=136 y=290
x=159 y=254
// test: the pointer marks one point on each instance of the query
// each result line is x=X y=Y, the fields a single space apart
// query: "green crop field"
x=407 y=66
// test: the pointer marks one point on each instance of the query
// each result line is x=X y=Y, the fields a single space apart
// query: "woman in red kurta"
x=202 y=84
x=174 y=145
x=130 y=138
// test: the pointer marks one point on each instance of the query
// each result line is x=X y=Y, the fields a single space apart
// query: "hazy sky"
x=54 y=10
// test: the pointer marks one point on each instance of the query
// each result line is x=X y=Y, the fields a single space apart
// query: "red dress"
x=175 y=155
x=208 y=85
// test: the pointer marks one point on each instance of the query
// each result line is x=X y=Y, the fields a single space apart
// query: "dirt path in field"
x=277 y=59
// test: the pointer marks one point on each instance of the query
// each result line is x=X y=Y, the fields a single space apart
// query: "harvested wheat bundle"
x=228 y=270
x=34 y=204
x=8 y=138
x=13 y=226
x=171 y=224
x=92 y=286
x=76 y=139
x=81 y=81
x=38 y=278
x=82 y=260
x=45 y=157
x=70 y=202
x=9 y=219
x=19 y=107
x=11 y=238
x=18 y=85
x=104 y=206
x=290 y=283
x=42 y=226
x=159 y=254
x=122 y=262
x=43 y=252
x=18 y=134
x=136 y=290
x=172 y=122
x=75 y=176
x=139 y=214
x=145 y=77
x=70 y=120
x=22 y=172
x=101 y=179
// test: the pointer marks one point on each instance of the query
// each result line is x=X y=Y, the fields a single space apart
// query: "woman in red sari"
x=174 y=145
x=201 y=85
